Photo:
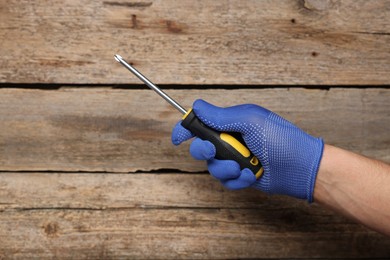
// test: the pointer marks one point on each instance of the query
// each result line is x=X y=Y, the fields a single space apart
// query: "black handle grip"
x=227 y=146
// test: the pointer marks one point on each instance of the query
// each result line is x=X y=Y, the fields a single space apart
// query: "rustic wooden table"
x=87 y=169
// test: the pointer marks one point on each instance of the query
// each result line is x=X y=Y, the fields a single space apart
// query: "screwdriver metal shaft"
x=227 y=147
x=171 y=101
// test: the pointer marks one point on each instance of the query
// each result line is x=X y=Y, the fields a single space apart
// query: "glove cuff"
x=316 y=167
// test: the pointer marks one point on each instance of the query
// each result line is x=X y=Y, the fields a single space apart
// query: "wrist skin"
x=355 y=186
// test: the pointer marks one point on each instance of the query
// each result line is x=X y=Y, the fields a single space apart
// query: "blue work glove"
x=290 y=156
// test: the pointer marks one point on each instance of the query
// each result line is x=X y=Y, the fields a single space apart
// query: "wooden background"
x=87 y=167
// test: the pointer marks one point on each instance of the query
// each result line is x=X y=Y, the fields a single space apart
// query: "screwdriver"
x=228 y=147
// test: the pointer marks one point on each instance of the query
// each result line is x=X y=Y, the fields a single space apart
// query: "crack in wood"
x=129 y=4
x=63 y=63
x=375 y=33
x=137 y=207
x=59 y=86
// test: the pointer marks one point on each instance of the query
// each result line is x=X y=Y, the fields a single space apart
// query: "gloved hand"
x=290 y=156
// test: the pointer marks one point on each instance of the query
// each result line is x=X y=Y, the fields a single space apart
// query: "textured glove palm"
x=290 y=156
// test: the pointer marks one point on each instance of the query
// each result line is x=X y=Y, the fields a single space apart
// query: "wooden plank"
x=49 y=215
x=103 y=129
x=196 y=42
x=27 y=191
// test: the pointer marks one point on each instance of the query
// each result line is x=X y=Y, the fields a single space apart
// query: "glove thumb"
x=230 y=119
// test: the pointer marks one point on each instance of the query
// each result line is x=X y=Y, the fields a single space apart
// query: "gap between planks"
x=58 y=86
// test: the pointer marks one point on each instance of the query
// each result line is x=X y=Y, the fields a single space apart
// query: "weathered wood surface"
x=196 y=42
x=103 y=129
x=105 y=215
x=110 y=216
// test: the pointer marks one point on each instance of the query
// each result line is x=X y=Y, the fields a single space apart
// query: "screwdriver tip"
x=118 y=58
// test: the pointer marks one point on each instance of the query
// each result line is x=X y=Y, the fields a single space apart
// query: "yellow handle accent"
x=242 y=150
x=186 y=114
x=254 y=161
x=259 y=173
x=236 y=144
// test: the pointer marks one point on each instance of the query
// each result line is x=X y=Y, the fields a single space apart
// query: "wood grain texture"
x=196 y=42
x=103 y=129
x=111 y=216
x=70 y=202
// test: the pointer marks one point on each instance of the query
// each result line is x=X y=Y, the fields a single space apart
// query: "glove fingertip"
x=248 y=176
x=202 y=150
x=246 y=179
x=180 y=134
x=231 y=185
x=224 y=169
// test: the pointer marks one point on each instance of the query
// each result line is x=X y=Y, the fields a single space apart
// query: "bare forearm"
x=356 y=186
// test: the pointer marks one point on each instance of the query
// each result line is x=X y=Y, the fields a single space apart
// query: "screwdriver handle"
x=227 y=146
